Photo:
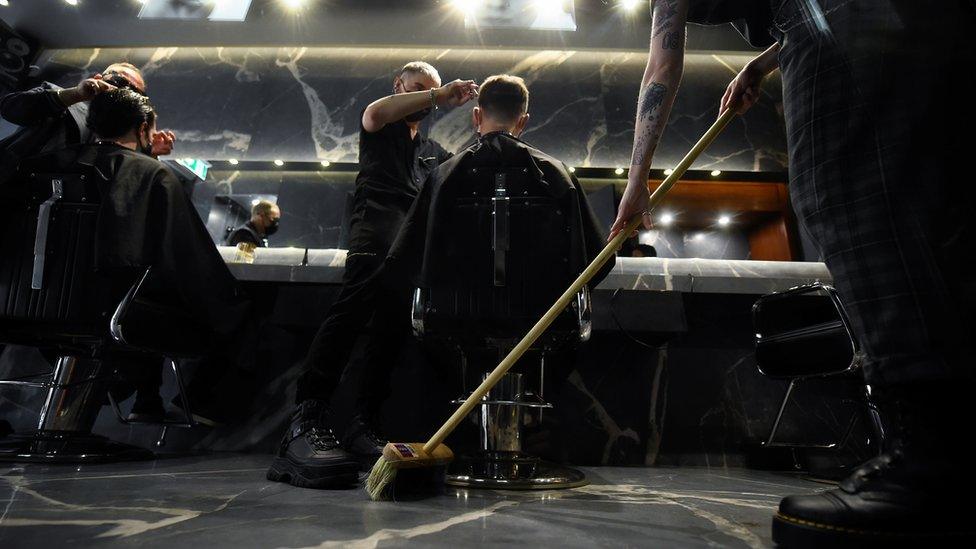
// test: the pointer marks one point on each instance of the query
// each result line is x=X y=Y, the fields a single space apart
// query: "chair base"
x=512 y=471
x=67 y=447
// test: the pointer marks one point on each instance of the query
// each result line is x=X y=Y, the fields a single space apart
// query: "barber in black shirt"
x=395 y=160
x=265 y=216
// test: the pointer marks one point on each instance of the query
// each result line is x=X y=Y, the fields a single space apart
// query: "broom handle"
x=564 y=300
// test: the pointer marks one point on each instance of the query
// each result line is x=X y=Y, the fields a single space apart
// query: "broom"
x=414 y=455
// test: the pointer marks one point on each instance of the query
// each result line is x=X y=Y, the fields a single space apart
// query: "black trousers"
x=880 y=121
x=364 y=306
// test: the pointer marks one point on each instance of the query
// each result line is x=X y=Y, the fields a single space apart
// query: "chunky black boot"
x=362 y=441
x=309 y=455
x=919 y=491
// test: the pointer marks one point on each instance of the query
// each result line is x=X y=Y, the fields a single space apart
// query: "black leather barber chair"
x=804 y=333
x=504 y=264
x=51 y=298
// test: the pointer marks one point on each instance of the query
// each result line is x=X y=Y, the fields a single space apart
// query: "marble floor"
x=224 y=501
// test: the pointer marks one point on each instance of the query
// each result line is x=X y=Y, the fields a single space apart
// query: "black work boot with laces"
x=362 y=441
x=309 y=455
x=918 y=492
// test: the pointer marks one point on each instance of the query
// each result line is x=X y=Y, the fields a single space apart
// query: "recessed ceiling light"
x=619 y=171
x=232 y=161
x=666 y=219
x=279 y=162
x=724 y=220
x=325 y=163
x=716 y=173
x=668 y=171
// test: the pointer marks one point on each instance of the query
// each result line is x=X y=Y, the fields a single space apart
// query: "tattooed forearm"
x=649 y=119
x=663 y=13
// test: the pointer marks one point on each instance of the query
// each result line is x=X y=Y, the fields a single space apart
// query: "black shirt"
x=246 y=233
x=752 y=18
x=392 y=170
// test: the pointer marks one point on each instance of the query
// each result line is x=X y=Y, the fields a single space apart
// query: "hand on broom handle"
x=564 y=300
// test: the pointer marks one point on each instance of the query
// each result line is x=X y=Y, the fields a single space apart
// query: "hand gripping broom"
x=412 y=455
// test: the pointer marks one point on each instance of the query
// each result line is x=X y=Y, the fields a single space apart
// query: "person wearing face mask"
x=51 y=117
x=265 y=217
x=145 y=219
x=395 y=159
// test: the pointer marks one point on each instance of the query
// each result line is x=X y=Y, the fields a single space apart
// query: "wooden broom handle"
x=564 y=300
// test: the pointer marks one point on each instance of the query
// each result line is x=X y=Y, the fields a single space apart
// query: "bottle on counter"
x=245 y=252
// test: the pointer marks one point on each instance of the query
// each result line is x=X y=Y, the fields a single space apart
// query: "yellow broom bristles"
x=382 y=475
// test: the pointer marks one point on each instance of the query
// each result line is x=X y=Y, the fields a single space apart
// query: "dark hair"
x=115 y=113
x=503 y=97
x=646 y=250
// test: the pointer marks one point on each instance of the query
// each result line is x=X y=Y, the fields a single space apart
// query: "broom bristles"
x=382 y=475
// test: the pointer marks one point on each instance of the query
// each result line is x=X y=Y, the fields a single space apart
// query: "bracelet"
x=433 y=98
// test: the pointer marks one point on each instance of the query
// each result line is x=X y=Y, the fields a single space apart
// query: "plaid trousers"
x=880 y=122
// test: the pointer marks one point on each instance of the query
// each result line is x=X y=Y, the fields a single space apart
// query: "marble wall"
x=262 y=103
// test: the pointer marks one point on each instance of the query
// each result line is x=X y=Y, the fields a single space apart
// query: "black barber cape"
x=147 y=219
x=416 y=254
x=393 y=167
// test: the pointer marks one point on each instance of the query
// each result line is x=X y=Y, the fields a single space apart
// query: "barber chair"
x=502 y=264
x=804 y=333
x=51 y=298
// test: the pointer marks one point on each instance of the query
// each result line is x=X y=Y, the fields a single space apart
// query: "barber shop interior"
x=486 y=273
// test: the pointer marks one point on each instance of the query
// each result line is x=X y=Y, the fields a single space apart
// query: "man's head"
x=125 y=117
x=503 y=105
x=413 y=77
x=265 y=216
x=123 y=75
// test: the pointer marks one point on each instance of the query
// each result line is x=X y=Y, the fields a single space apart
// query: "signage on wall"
x=16 y=54
x=196 y=10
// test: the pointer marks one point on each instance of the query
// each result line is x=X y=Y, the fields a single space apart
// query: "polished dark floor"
x=224 y=501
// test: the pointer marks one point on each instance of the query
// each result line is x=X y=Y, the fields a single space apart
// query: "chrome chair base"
x=67 y=447
x=512 y=471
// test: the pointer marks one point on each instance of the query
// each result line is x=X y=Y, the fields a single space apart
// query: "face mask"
x=418 y=116
x=272 y=227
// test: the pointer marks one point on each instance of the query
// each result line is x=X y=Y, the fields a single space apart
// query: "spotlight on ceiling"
x=699 y=237
x=667 y=219
x=4 y=2
x=71 y=2
x=279 y=162
x=630 y=5
x=232 y=161
x=668 y=171
x=716 y=173
x=724 y=220
x=572 y=169
x=325 y=163
x=293 y=4
x=619 y=171
x=467 y=7
x=255 y=201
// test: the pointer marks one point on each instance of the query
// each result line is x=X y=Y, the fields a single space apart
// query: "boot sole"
x=790 y=532
x=341 y=475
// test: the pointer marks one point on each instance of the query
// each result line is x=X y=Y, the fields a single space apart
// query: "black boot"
x=362 y=441
x=309 y=455
x=918 y=491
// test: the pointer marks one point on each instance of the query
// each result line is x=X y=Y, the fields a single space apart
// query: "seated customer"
x=146 y=219
x=265 y=216
x=499 y=118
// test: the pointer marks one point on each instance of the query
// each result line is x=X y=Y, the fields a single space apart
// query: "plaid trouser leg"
x=875 y=102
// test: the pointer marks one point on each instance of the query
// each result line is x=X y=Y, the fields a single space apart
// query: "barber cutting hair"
x=395 y=159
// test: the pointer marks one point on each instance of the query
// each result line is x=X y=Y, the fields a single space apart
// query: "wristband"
x=433 y=98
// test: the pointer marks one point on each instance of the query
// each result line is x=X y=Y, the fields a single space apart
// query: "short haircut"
x=503 y=97
x=420 y=67
x=117 y=112
x=263 y=207
x=131 y=67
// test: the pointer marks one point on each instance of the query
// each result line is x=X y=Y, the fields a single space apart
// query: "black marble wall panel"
x=262 y=103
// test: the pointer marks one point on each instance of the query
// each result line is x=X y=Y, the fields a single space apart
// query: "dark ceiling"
x=108 y=23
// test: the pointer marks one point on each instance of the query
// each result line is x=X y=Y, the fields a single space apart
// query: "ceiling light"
x=71 y=2
x=716 y=173
x=325 y=163
x=232 y=161
x=255 y=201
x=4 y=2
x=700 y=236
x=279 y=162
x=668 y=171
x=619 y=171
x=724 y=220
x=293 y=4
x=666 y=219
x=572 y=169
x=630 y=5
x=466 y=7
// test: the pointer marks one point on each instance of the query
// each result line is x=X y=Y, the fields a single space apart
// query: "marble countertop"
x=688 y=275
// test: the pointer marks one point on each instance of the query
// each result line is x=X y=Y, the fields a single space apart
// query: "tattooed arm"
x=658 y=88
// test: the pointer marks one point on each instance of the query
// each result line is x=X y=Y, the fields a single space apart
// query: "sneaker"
x=309 y=455
x=362 y=441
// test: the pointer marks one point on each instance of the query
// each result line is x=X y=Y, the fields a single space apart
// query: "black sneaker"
x=309 y=455
x=362 y=441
